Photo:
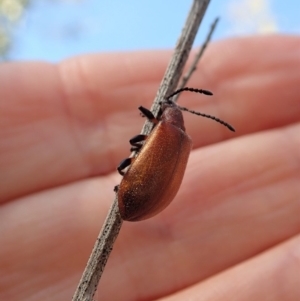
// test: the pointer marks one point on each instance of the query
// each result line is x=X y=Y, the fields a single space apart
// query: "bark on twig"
x=197 y=58
x=112 y=225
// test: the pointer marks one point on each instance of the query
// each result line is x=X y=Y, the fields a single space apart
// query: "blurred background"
x=52 y=30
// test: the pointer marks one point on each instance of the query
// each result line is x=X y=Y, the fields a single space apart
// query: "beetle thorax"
x=172 y=114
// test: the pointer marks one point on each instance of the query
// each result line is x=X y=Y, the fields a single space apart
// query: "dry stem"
x=199 y=54
x=112 y=225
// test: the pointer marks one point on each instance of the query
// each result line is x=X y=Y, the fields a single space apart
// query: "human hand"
x=231 y=233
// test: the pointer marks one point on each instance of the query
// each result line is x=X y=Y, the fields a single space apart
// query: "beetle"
x=154 y=176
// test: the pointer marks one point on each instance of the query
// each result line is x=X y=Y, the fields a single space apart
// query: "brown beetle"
x=155 y=174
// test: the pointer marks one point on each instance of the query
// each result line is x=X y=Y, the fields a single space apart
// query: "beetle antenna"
x=206 y=92
x=208 y=116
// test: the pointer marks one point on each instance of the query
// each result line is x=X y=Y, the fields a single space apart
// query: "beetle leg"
x=116 y=188
x=138 y=138
x=125 y=163
x=148 y=114
x=136 y=142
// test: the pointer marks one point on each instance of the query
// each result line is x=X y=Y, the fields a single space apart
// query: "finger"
x=47 y=237
x=238 y=199
x=253 y=90
x=39 y=143
x=255 y=85
x=272 y=275
x=50 y=137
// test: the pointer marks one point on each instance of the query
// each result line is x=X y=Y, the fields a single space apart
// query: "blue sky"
x=53 y=30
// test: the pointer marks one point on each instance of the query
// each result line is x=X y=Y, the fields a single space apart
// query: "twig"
x=199 y=54
x=112 y=225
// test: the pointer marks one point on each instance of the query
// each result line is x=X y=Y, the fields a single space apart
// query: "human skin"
x=232 y=231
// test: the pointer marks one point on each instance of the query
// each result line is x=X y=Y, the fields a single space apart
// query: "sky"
x=53 y=30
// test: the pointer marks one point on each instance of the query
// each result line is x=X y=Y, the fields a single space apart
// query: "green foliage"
x=11 y=11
